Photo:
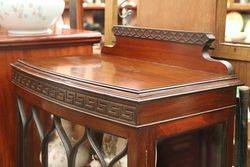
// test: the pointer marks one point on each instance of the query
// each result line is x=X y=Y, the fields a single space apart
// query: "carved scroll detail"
x=164 y=35
x=74 y=98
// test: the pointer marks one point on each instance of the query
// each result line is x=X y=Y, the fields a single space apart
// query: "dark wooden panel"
x=177 y=107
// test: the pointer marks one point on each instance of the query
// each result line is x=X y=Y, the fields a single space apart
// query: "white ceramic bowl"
x=29 y=17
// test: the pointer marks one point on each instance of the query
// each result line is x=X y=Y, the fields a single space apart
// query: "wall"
x=191 y=15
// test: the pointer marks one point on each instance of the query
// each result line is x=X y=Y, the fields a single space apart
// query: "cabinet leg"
x=141 y=149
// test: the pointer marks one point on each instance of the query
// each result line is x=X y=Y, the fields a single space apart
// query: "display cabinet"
x=157 y=92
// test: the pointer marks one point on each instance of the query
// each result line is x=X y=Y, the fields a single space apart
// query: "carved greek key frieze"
x=74 y=98
x=164 y=35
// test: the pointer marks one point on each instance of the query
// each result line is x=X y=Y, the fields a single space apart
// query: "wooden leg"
x=141 y=148
x=136 y=150
x=241 y=127
x=151 y=147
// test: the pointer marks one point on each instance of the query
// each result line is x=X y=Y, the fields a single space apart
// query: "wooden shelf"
x=90 y=7
x=96 y=7
x=232 y=51
x=239 y=7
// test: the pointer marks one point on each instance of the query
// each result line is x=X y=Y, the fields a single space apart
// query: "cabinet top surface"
x=58 y=36
x=144 y=64
x=121 y=72
x=144 y=67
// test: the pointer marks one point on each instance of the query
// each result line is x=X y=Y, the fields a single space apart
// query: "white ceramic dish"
x=29 y=17
x=240 y=37
x=234 y=24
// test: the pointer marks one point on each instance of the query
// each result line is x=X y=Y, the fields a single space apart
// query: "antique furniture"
x=63 y=42
x=158 y=89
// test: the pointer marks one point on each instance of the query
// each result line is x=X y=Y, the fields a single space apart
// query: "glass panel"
x=203 y=148
x=51 y=141
x=113 y=150
x=83 y=156
x=93 y=148
x=76 y=150
x=56 y=152
x=112 y=146
x=75 y=134
x=123 y=162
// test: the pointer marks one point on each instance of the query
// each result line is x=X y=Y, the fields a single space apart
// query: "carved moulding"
x=164 y=35
x=74 y=98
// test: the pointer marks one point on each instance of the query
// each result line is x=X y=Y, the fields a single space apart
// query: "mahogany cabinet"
x=62 y=42
x=158 y=89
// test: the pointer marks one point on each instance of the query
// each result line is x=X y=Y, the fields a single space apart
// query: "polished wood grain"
x=73 y=13
x=59 y=37
x=176 y=15
x=66 y=43
x=128 y=92
x=111 y=19
x=79 y=14
x=122 y=72
x=213 y=21
x=151 y=49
